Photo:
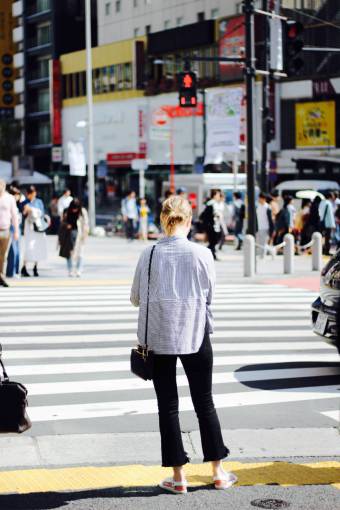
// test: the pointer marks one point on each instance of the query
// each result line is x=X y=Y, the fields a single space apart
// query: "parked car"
x=326 y=308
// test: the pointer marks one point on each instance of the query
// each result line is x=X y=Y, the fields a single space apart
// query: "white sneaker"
x=70 y=274
x=78 y=274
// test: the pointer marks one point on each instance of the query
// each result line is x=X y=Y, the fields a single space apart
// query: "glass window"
x=44 y=34
x=166 y=24
x=136 y=32
x=96 y=80
x=44 y=133
x=44 y=100
x=112 y=78
x=214 y=13
x=118 y=5
x=43 y=5
x=179 y=21
x=107 y=8
x=43 y=68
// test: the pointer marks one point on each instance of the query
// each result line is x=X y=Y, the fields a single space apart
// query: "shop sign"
x=57 y=154
x=315 y=124
x=122 y=159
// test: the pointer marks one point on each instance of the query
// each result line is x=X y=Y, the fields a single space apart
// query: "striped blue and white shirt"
x=181 y=290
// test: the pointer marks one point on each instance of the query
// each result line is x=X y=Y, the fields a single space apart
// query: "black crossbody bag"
x=13 y=404
x=142 y=358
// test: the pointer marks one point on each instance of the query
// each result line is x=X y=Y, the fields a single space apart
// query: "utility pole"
x=90 y=148
x=248 y=9
x=265 y=102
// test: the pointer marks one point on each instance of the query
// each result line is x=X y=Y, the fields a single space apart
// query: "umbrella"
x=309 y=194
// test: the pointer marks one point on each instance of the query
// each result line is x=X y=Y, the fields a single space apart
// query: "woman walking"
x=72 y=235
x=182 y=280
x=144 y=212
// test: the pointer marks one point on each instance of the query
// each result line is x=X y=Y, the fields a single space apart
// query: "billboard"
x=232 y=38
x=315 y=124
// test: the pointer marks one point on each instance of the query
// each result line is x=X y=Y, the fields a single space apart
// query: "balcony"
x=39 y=11
x=39 y=42
x=17 y=9
x=38 y=109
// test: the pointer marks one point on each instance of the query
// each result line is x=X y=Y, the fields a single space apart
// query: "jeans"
x=198 y=369
x=79 y=264
x=13 y=257
x=130 y=229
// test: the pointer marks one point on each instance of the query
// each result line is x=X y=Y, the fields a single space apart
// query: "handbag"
x=13 y=404
x=142 y=358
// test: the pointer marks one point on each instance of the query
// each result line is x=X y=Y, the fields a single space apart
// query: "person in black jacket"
x=211 y=221
x=283 y=221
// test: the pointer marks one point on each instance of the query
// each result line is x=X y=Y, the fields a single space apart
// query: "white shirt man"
x=64 y=202
x=8 y=217
x=264 y=224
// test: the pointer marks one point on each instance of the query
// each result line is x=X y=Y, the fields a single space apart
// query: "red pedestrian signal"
x=187 y=89
x=292 y=47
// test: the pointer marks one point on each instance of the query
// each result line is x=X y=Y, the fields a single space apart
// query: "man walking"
x=130 y=214
x=8 y=217
x=211 y=221
x=265 y=224
x=239 y=215
x=327 y=218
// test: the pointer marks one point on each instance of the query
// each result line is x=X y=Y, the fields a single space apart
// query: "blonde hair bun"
x=175 y=211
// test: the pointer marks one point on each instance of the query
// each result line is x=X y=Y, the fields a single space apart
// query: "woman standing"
x=182 y=283
x=36 y=224
x=72 y=236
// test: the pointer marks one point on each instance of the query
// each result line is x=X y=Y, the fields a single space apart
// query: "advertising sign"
x=76 y=158
x=232 y=39
x=223 y=123
x=55 y=82
x=315 y=124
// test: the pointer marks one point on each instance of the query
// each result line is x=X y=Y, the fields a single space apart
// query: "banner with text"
x=223 y=123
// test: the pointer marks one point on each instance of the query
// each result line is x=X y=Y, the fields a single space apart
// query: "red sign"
x=56 y=103
x=177 y=111
x=232 y=40
x=122 y=159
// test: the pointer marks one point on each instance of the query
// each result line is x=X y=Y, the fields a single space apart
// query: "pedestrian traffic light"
x=187 y=85
x=293 y=46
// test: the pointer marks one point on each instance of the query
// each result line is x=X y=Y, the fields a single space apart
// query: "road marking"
x=91 y=478
x=93 y=352
x=108 y=366
x=149 y=406
x=133 y=383
x=334 y=415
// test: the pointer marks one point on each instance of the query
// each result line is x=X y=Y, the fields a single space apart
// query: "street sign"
x=57 y=154
x=139 y=164
x=77 y=160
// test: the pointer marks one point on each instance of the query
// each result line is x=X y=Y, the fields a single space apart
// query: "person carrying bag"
x=13 y=404
x=173 y=287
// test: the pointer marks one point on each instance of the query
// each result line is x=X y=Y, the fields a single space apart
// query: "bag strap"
x=147 y=304
x=6 y=378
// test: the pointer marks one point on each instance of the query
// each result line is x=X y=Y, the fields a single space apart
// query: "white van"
x=291 y=187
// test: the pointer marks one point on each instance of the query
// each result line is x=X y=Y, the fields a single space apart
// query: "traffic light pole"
x=248 y=8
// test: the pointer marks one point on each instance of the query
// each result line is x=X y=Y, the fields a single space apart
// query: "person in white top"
x=64 y=202
x=264 y=224
x=8 y=217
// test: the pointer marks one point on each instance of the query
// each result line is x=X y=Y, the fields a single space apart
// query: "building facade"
x=44 y=29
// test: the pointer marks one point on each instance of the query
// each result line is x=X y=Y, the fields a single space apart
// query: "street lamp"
x=90 y=162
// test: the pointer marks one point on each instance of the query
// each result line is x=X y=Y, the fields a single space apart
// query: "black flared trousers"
x=198 y=369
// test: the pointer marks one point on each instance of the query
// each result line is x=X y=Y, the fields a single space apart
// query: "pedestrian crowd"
x=23 y=213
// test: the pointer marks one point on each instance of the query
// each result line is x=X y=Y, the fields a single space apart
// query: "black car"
x=326 y=308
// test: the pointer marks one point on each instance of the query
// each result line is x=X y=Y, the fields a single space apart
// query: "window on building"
x=179 y=21
x=135 y=3
x=118 y=5
x=43 y=68
x=147 y=29
x=166 y=24
x=136 y=32
x=107 y=8
x=200 y=16
x=44 y=34
x=214 y=13
x=44 y=133
x=44 y=100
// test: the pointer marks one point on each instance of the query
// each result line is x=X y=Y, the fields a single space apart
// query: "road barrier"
x=289 y=250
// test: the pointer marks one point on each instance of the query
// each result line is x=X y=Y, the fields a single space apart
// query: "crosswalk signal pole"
x=248 y=9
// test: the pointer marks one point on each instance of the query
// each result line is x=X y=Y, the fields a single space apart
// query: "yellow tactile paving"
x=85 y=478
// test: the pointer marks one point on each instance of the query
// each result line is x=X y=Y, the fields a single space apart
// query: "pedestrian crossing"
x=70 y=346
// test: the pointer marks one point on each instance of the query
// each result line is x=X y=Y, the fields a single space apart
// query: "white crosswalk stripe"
x=71 y=345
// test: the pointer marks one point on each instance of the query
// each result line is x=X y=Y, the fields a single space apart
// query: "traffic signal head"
x=187 y=85
x=293 y=45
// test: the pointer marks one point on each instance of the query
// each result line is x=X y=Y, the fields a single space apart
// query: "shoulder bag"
x=142 y=358
x=13 y=404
